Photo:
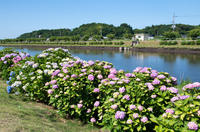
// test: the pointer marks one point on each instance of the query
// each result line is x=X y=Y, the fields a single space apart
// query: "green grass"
x=155 y=44
x=18 y=114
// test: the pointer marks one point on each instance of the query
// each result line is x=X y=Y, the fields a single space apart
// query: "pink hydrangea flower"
x=192 y=125
x=50 y=91
x=96 y=90
x=140 y=108
x=122 y=90
x=96 y=104
x=129 y=121
x=93 y=120
x=144 y=119
x=132 y=107
x=169 y=111
x=80 y=105
x=114 y=106
x=99 y=76
x=135 y=115
x=153 y=96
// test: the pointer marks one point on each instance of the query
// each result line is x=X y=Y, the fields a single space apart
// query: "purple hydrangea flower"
x=129 y=121
x=132 y=107
x=163 y=88
x=174 y=79
x=174 y=99
x=150 y=86
x=91 y=63
x=113 y=71
x=74 y=76
x=53 y=82
x=135 y=115
x=120 y=115
x=137 y=69
x=83 y=70
x=56 y=72
x=154 y=74
x=192 y=125
x=156 y=81
x=55 y=86
x=90 y=77
x=114 y=106
x=129 y=75
x=160 y=76
x=122 y=90
x=169 y=111
x=112 y=82
x=107 y=66
x=184 y=97
x=173 y=90
x=140 y=108
x=126 y=97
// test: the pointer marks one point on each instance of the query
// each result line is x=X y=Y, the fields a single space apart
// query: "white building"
x=142 y=37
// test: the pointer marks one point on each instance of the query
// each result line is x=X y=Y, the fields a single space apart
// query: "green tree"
x=110 y=36
x=194 y=33
x=171 y=35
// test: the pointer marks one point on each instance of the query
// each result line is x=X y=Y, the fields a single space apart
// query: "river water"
x=182 y=66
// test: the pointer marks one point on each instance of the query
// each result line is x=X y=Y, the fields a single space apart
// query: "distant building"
x=142 y=37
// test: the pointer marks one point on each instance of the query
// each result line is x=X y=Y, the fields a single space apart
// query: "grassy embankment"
x=156 y=44
x=18 y=114
x=127 y=43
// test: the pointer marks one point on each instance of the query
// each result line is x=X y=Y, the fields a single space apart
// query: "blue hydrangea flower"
x=10 y=78
x=12 y=73
x=9 y=89
x=8 y=82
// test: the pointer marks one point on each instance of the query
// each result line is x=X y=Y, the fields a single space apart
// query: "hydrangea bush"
x=30 y=76
x=9 y=59
x=135 y=96
x=183 y=114
x=95 y=92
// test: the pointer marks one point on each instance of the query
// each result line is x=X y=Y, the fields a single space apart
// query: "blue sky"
x=20 y=16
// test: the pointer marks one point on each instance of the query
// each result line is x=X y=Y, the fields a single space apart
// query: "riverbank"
x=20 y=114
x=143 y=47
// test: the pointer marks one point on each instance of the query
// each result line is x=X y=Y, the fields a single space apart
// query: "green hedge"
x=168 y=43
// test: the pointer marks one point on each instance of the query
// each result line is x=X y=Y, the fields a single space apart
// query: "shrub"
x=168 y=43
x=198 y=42
x=119 y=43
x=33 y=73
x=108 y=43
x=183 y=113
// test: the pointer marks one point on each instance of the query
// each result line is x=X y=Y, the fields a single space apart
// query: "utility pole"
x=173 y=22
